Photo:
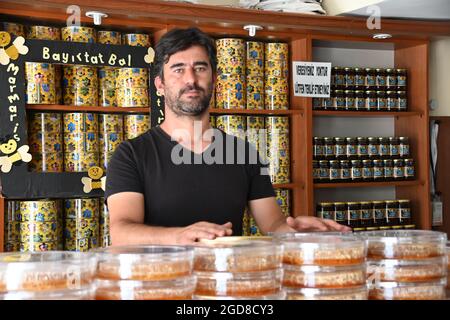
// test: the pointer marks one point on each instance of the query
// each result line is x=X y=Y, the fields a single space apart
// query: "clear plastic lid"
x=77 y=294
x=324 y=277
x=258 y=283
x=237 y=256
x=322 y=249
x=357 y=293
x=51 y=270
x=407 y=270
x=404 y=244
x=144 y=262
x=277 y=296
x=174 y=289
x=434 y=290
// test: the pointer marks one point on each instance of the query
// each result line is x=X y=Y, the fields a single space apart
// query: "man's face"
x=188 y=82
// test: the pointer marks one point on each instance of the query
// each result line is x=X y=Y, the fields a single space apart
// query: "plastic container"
x=277 y=296
x=144 y=262
x=358 y=293
x=238 y=255
x=322 y=249
x=175 y=289
x=242 y=284
x=404 y=244
x=86 y=293
x=408 y=291
x=45 y=271
x=407 y=270
x=324 y=277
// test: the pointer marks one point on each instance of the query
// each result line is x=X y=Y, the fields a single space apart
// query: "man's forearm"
x=131 y=233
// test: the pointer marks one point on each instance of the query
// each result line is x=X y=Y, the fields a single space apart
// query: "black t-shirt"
x=200 y=188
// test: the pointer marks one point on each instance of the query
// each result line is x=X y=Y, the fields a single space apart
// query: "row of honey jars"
x=363 y=170
x=368 y=215
x=359 y=100
x=360 y=148
x=368 y=78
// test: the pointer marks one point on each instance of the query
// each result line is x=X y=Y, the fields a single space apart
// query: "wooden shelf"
x=57 y=107
x=216 y=111
x=367 y=184
x=284 y=186
x=375 y=114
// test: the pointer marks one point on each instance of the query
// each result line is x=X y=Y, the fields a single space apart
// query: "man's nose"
x=190 y=76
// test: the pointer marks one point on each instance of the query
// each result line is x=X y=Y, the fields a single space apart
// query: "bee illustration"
x=12 y=52
x=13 y=154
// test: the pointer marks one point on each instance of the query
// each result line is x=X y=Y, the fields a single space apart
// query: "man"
x=157 y=195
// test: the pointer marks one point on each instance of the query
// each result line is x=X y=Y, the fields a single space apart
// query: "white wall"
x=439 y=76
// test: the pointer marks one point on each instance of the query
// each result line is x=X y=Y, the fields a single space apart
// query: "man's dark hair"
x=179 y=40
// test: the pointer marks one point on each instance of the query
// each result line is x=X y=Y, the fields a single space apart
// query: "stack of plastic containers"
x=276 y=76
x=255 y=75
x=406 y=264
x=324 y=266
x=47 y=276
x=231 y=268
x=135 y=125
x=110 y=136
x=278 y=149
x=145 y=273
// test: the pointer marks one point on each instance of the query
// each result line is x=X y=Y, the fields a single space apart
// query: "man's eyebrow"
x=201 y=63
x=176 y=65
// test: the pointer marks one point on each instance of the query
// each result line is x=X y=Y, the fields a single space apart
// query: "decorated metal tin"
x=276 y=51
x=39 y=211
x=81 y=142
x=132 y=77
x=230 y=99
x=231 y=123
x=15 y=29
x=254 y=230
x=81 y=76
x=110 y=123
x=105 y=241
x=276 y=85
x=11 y=246
x=104 y=159
x=104 y=226
x=280 y=174
x=79 y=34
x=80 y=122
x=46 y=162
x=107 y=97
x=276 y=68
x=136 y=125
x=47 y=142
x=133 y=97
x=235 y=82
x=255 y=68
x=12 y=211
x=44 y=122
x=12 y=231
x=80 y=96
x=38 y=231
x=110 y=141
x=276 y=101
x=286 y=211
x=58 y=84
x=230 y=47
x=212 y=121
x=109 y=37
x=81 y=245
x=37 y=246
x=231 y=65
x=86 y=208
x=40 y=93
x=107 y=77
x=279 y=123
x=76 y=162
x=283 y=197
x=81 y=228
x=44 y=33
x=246 y=223
x=255 y=122
x=255 y=50
x=136 y=40
x=39 y=72
x=255 y=93
x=278 y=154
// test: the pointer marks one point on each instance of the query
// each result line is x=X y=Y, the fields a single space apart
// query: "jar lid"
x=366 y=202
x=356 y=293
x=339 y=203
x=380 y=70
x=348 y=69
x=404 y=201
x=326 y=203
x=390 y=70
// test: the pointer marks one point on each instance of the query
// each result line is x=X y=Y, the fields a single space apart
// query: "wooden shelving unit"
x=367 y=184
x=410 y=43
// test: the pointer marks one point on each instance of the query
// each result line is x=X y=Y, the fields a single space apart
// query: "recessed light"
x=382 y=36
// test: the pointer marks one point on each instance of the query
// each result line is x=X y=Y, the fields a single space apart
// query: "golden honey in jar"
x=404 y=146
x=378 y=170
x=362 y=147
x=334 y=170
x=380 y=78
x=351 y=148
x=384 y=147
x=338 y=78
x=370 y=79
x=367 y=170
x=373 y=147
x=394 y=147
x=339 y=100
x=391 y=79
x=356 y=171
x=318 y=148
x=399 y=169
x=328 y=147
x=391 y=101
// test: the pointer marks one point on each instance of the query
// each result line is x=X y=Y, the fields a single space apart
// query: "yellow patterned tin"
x=81 y=228
x=79 y=34
x=12 y=231
x=246 y=224
x=254 y=230
x=255 y=93
x=107 y=97
x=104 y=226
x=283 y=197
x=278 y=101
x=235 y=82
x=109 y=37
x=44 y=122
x=104 y=159
x=40 y=93
x=12 y=246
x=110 y=123
x=79 y=75
x=132 y=77
x=44 y=33
x=80 y=96
x=81 y=245
x=255 y=50
x=255 y=67
x=81 y=142
x=46 y=162
x=276 y=51
x=279 y=123
x=231 y=99
x=280 y=174
x=105 y=241
x=40 y=72
x=85 y=208
x=38 y=231
x=110 y=141
x=39 y=210
x=136 y=123
x=276 y=68
x=136 y=40
x=46 y=142
x=80 y=122
x=230 y=47
x=279 y=156
x=38 y=246
x=15 y=29
x=76 y=162
x=231 y=123
x=276 y=85
x=133 y=97
x=107 y=77
x=255 y=122
x=212 y=101
x=231 y=65
x=212 y=121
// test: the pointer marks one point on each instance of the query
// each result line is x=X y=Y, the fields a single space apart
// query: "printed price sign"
x=311 y=79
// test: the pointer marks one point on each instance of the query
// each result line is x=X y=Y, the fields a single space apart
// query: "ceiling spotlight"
x=382 y=36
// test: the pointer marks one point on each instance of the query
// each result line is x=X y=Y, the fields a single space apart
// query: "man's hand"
x=315 y=224
x=201 y=230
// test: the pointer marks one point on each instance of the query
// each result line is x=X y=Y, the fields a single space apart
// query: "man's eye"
x=179 y=70
x=200 y=69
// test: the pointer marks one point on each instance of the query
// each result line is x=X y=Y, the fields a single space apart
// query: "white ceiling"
x=409 y=9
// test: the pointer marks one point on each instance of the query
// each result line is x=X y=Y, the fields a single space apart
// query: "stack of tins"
x=40 y=83
x=45 y=138
x=80 y=85
x=33 y=226
x=49 y=33
x=255 y=75
x=276 y=73
x=110 y=136
x=406 y=264
x=107 y=86
x=235 y=268
x=324 y=266
x=136 y=40
x=47 y=276
x=135 y=125
x=145 y=273
x=278 y=149
x=79 y=34
x=80 y=141
x=14 y=29
x=109 y=37
x=232 y=125
x=81 y=224
x=105 y=237
x=283 y=199
x=132 y=87
x=231 y=80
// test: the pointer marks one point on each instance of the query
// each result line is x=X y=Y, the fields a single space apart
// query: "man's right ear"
x=159 y=85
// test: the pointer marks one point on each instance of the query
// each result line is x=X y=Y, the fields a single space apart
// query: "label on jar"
x=323 y=173
x=373 y=150
x=318 y=150
x=367 y=173
x=317 y=103
x=388 y=172
x=405 y=213
x=359 y=80
x=378 y=172
x=362 y=150
x=345 y=173
x=354 y=214
x=350 y=103
x=372 y=103
x=409 y=171
x=329 y=150
x=366 y=214
x=381 y=81
x=351 y=150
x=401 y=81
x=392 y=103
x=356 y=173
x=384 y=150
x=327 y=215
x=334 y=174
x=360 y=103
x=339 y=79
x=340 y=103
x=392 y=81
x=370 y=80
x=381 y=103
x=402 y=103
x=339 y=150
x=393 y=150
x=316 y=173
x=327 y=103
x=392 y=213
x=398 y=172
x=404 y=150
x=340 y=215
x=379 y=214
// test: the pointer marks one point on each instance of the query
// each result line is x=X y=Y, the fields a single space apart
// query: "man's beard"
x=194 y=107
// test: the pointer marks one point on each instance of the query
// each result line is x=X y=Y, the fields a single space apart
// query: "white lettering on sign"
x=312 y=79
x=68 y=58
